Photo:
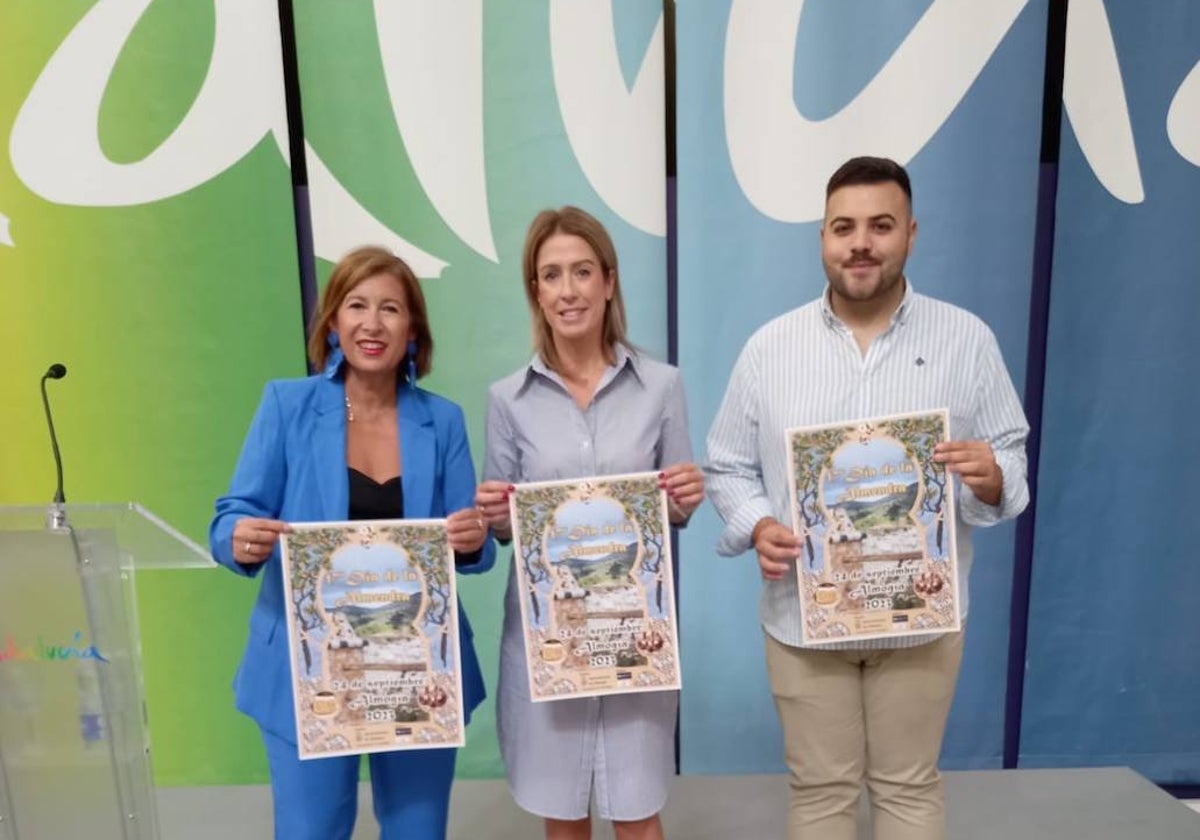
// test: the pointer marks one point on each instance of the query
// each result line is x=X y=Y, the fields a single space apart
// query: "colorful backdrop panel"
x=1111 y=677
x=440 y=130
x=147 y=242
x=771 y=101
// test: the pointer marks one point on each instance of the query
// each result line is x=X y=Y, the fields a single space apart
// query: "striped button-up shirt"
x=805 y=369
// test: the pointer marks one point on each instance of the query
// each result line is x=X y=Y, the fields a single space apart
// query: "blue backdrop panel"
x=975 y=191
x=1111 y=674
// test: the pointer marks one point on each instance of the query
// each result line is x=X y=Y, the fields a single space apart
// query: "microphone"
x=56 y=516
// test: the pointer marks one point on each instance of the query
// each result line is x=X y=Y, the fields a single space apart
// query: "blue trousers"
x=318 y=799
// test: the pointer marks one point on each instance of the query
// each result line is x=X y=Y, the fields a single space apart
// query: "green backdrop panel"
x=169 y=310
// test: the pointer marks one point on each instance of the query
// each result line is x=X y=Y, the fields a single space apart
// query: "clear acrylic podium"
x=74 y=748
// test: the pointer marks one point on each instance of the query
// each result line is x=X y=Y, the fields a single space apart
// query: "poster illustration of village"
x=593 y=560
x=372 y=623
x=875 y=516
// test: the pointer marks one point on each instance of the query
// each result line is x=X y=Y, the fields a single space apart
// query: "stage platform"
x=1096 y=804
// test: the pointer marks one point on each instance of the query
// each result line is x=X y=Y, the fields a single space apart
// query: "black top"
x=369 y=499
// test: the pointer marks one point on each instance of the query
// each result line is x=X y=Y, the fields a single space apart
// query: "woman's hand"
x=684 y=484
x=254 y=539
x=466 y=530
x=491 y=498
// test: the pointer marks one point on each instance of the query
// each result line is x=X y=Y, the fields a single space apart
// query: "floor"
x=1098 y=804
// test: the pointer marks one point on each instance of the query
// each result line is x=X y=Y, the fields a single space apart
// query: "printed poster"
x=875 y=514
x=593 y=560
x=372 y=621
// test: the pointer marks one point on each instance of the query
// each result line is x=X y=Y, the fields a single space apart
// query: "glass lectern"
x=74 y=748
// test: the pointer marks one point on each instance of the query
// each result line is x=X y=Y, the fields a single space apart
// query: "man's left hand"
x=975 y=462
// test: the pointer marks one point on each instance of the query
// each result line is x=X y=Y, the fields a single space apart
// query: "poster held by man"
x=875 y=515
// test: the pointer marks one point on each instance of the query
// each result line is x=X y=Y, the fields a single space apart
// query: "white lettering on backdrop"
x=432 y=59
x=618 y=135
x=781 y=159
x=434 y=79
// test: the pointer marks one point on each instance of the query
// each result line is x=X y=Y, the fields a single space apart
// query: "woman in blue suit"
x=359 y=441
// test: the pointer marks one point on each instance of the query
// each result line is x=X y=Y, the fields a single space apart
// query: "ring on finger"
x=248 y=547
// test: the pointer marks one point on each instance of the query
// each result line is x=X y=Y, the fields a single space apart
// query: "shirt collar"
x=624 y=359
x=900 y=316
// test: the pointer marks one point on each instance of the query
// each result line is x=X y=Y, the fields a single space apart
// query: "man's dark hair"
x=869 y=170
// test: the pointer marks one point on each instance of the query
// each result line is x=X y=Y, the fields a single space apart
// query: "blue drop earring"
x=412 y=364
x=333 y=361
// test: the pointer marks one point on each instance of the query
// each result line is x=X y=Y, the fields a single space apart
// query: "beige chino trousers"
x=873 y=716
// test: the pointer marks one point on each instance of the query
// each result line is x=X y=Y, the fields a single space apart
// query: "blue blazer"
x=293 y=467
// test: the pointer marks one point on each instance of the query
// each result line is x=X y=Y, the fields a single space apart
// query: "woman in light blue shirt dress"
x=587 y=404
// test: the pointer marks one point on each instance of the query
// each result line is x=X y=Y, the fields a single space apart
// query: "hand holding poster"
x=372 y=620
x=875 y=516
x=593 y=560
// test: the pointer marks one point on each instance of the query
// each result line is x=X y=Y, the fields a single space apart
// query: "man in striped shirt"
x=866 y=711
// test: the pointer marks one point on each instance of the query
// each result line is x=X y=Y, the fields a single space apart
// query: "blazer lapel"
x=418 y=453
x=329 y=451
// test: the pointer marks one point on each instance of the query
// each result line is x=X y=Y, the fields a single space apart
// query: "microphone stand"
x=56 y=514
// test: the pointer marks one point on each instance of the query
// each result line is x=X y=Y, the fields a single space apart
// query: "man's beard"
x=886 y=283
